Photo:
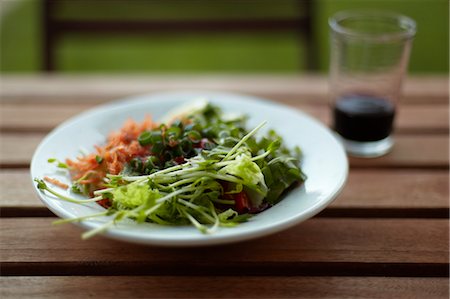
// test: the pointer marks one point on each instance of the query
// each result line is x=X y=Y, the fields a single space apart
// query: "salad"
x=202 y=168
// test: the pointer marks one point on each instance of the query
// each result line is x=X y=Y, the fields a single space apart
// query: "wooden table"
x=386 y=235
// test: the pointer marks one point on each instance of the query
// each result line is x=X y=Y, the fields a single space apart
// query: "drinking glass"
x=369 y=57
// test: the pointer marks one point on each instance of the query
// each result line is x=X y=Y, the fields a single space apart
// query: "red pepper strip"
x=105 y=202
x=179 y=160
x=201 y=143
x=242 y=203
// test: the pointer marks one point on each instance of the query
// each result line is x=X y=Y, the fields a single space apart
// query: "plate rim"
x=121 y=235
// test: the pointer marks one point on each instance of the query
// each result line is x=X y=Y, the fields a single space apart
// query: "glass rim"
x=406 y=25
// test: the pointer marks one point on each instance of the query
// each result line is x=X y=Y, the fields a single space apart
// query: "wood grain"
x=44 y=117
x=411 y=151
x=395 y=189
x=431 y=151
x=324 y=240
x=16 y=150
x=385 y=236
x=380 y=189
x=101 y=88
x=222 y=287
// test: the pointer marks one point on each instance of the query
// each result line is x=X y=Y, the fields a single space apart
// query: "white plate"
x=325 y=163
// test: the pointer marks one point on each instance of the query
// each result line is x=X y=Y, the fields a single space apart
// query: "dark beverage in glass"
x=369 y=56
x=363 y=118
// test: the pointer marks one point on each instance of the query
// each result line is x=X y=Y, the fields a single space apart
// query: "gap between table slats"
x=331 y=212
x=260 y=269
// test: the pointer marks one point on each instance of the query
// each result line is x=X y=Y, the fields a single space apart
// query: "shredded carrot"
x=120 y=148
x=56 y=182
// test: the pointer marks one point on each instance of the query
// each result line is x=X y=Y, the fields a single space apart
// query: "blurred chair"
x=55 y=27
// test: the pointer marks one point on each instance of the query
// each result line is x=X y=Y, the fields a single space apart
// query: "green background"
x=281 y=52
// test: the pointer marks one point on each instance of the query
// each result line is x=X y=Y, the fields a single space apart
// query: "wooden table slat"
x=364 y=189
x=57 y=88
x=223 y=287
x=316 y=240
x=429 y=151
x=44 y=117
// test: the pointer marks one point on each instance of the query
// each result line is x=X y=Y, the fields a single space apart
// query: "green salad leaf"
x=133 y=195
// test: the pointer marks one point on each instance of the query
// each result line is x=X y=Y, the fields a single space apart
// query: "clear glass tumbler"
x=369 y=57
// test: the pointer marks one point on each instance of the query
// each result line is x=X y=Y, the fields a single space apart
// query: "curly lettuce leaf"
x=134 y=195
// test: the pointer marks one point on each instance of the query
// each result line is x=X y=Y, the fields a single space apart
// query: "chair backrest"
x=55 y=28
